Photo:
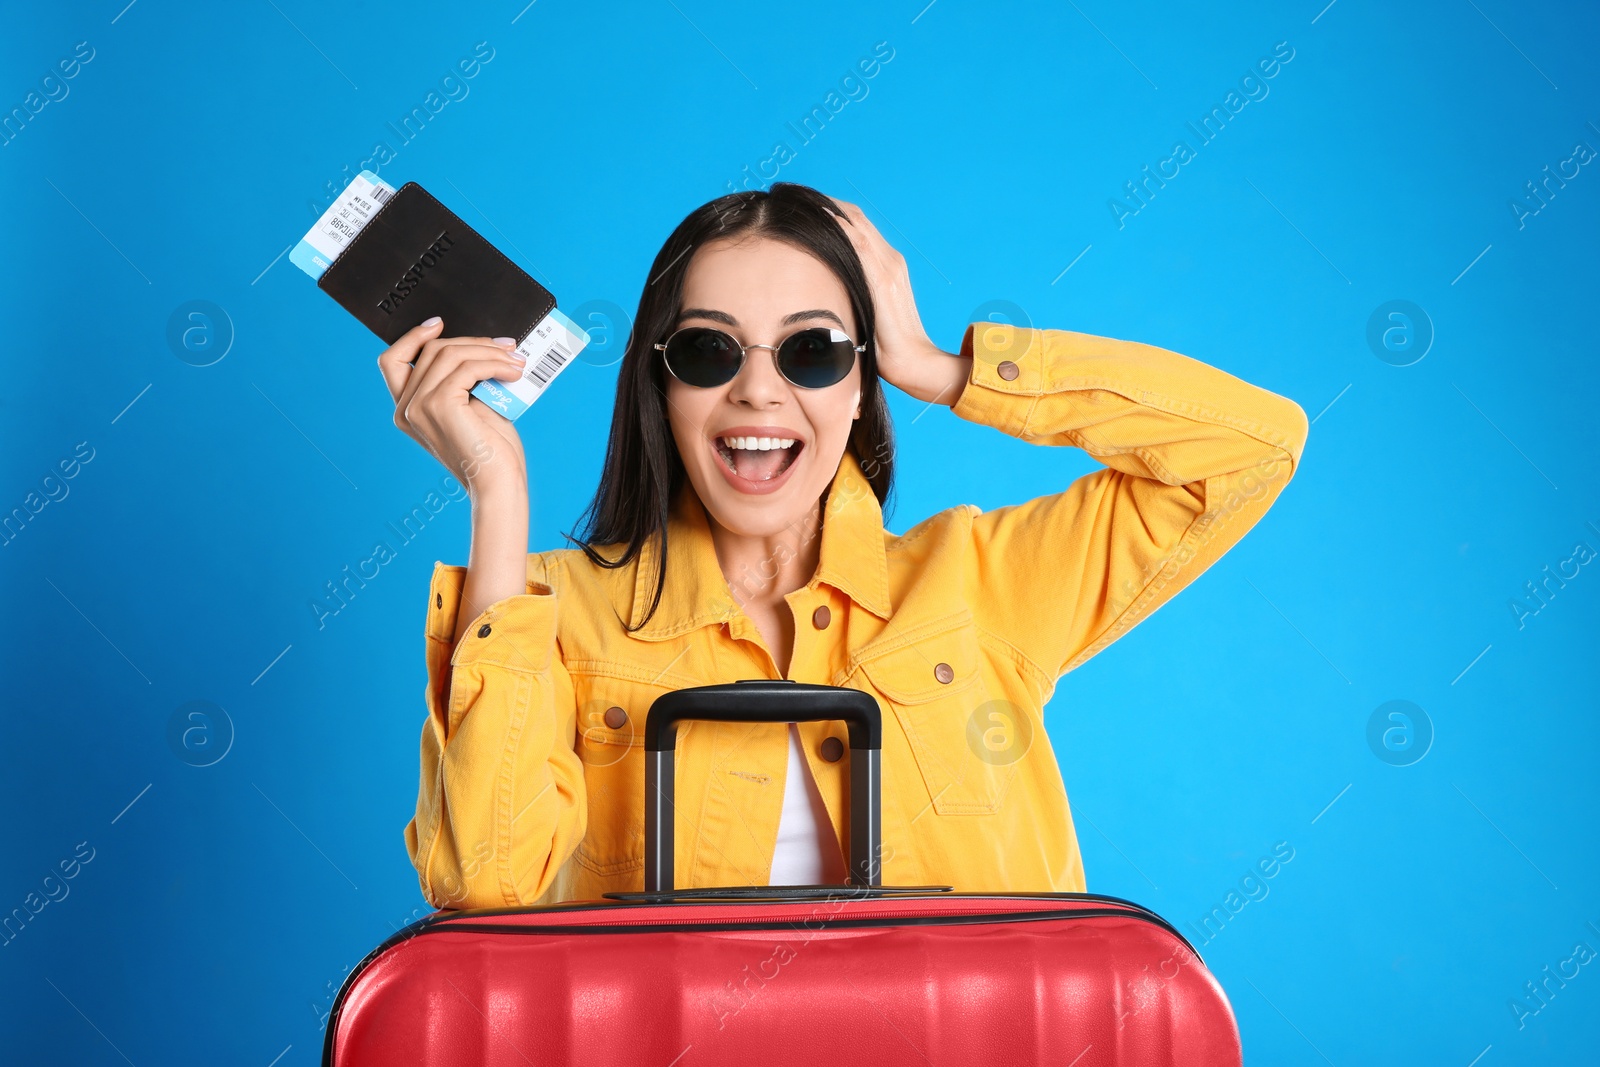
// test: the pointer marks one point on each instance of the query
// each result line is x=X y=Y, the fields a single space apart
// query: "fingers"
x=395 y=361
x=857 y=218
x=863 y=234
x=464 y=375
x=434 y=346
x=868 y=242
x=453 y=365
x=430 y=415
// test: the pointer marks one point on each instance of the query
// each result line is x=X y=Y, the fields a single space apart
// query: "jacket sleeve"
x=1193 y=458
x=501 y=801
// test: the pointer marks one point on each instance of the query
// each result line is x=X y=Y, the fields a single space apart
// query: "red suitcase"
x=770 y=975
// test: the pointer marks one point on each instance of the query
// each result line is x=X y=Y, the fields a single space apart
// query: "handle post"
x=764 y=701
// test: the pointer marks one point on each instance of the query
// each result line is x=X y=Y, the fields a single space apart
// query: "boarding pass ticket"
x=340 y=223
x=549 y=347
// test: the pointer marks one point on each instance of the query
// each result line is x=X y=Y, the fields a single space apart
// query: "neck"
x=763 y=569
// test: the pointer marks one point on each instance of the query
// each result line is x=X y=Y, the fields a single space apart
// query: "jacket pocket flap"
x=927 y=663
x=602 y=688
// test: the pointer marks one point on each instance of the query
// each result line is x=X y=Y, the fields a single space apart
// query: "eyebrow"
x=729 y=320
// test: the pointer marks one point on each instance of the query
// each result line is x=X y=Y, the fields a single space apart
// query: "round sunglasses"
x=814 y=358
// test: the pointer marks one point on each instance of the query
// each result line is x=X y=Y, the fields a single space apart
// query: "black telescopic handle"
x=763 y=701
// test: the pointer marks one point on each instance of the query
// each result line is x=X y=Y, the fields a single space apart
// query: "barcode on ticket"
x=548 y=367
x=549 y=348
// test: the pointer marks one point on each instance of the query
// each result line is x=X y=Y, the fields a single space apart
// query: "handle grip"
x=763 y=701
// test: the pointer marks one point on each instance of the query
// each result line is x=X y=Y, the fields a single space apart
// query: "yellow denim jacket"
x=532 y=774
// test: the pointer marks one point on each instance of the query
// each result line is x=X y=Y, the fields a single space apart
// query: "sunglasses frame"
x=661 y=346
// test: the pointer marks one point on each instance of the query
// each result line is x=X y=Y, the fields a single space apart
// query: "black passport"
x=415 y=259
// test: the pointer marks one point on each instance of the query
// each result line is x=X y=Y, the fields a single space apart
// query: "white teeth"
x=758 y=444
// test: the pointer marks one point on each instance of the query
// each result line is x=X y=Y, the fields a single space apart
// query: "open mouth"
x=758 y=459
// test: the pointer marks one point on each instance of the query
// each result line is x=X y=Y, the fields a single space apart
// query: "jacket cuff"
x=1007 y=377
x=517 y=632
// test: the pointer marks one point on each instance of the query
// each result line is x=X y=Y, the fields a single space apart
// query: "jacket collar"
x=852 y=559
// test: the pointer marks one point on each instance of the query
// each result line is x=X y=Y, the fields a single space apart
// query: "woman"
x=738 y=533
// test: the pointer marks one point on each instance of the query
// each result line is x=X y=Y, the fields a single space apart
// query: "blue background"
x=224 y=903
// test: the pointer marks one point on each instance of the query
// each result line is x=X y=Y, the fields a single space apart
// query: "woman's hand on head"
x=907 y=359
x=431 y=378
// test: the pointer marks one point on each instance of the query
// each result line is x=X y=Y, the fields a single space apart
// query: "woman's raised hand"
x=906 y=357
x=431 y=378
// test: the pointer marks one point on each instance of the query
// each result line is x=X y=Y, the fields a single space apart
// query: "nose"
x=758 y=383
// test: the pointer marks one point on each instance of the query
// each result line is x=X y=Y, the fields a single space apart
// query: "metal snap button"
x=943 y=672
x=821 y=617
x=832 y=749
x=483 y=631
x=616 y=717
x=1007 y=370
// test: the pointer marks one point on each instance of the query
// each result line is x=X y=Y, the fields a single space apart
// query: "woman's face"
x=760 y=291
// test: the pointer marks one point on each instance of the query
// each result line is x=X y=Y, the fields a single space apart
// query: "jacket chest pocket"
x=935 y=689
x=610 y=741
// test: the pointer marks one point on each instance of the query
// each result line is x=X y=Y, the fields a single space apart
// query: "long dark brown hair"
x=643 y=471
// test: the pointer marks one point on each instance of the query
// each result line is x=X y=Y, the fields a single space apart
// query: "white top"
x=808 y=850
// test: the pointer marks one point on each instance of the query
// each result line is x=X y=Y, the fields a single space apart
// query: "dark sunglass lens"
x=702 y=356
x=816 y=359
